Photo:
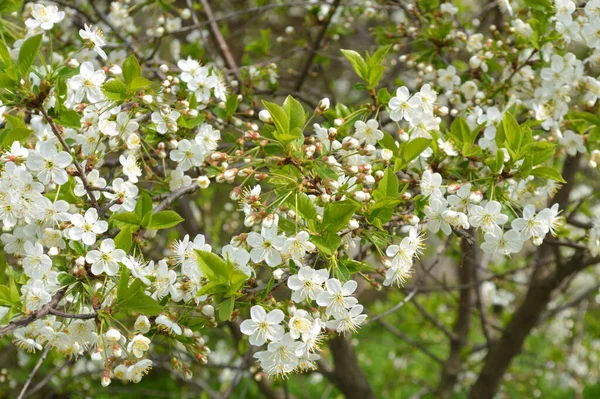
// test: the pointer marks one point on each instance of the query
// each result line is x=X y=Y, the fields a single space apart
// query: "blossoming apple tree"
x=166 y=188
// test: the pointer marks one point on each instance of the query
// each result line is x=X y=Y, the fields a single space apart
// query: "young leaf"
x=512 y=132
x=131 y=69
x=337 y=215
x=225 y=309
x=358 y=63
x=27 y=54
x=388 y=185
x=164 y=220
x=306 y=208
x=548 y=173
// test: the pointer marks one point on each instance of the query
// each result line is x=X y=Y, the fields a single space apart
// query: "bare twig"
x=13 y=325
x=33 y=372
x=395 y=307
x=312 y=50
x=218 y=36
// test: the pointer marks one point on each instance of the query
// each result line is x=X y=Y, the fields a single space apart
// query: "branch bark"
x=453 y=363
x=347 y=375
x=543 y=282
x=312 y=51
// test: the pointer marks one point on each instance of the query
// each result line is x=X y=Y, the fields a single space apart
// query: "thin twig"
x=218 y=36
x=312 y=50
x=35 y=370
x=13 y=325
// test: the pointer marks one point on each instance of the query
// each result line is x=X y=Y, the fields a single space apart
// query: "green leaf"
x=306 y=208
x=131 y=69
x=125 y=219
x=69 y=118
x=165 y=220
x=526 y=167
x=8 y=296
x=327 y=243
x=27 y=54
x=211 y=288
x=9 y=136
x=389 y=143
x=540 y=151
x=123 y=240
x=214 y=268
x=139 y=83
x=358 y=63
x=337 y=215
x=115 y=90
x=512 y=132
x=225 y=309
x=388 y=186
x=143 y=209
x=5 y=59
x=231 y=105
x=412 y=150
x=279 y=116
x=9 y=6
x=132 y=297
x=548 y=173
x=295 y=112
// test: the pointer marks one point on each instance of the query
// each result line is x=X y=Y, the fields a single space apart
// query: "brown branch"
x=410 y=341
x=174 y=196
x=82 y=316
x=452 y=365
x=312 y=50
x=544 y=281
x=347 y=375
x=13 y=325
x=218 y=36
x=48 y=377
x=572 y=303
x=33 y=372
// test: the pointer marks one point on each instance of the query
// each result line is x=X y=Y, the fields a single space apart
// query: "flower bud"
x=147 y=99
x=186 y=13
x=208 y=310
x=353 y=224
x=73 y=63
x=265 y=116
x=475 y=197
x=323 y=105
x=278 y=274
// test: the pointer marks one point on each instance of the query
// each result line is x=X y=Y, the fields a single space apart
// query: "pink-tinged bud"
x=452 y=188
x=105 y=381
x=476 y=197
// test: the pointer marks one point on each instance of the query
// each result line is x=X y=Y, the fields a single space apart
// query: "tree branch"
x=453 y=363
x=312 y=50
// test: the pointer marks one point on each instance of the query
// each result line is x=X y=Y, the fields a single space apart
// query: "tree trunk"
x=347 y=375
